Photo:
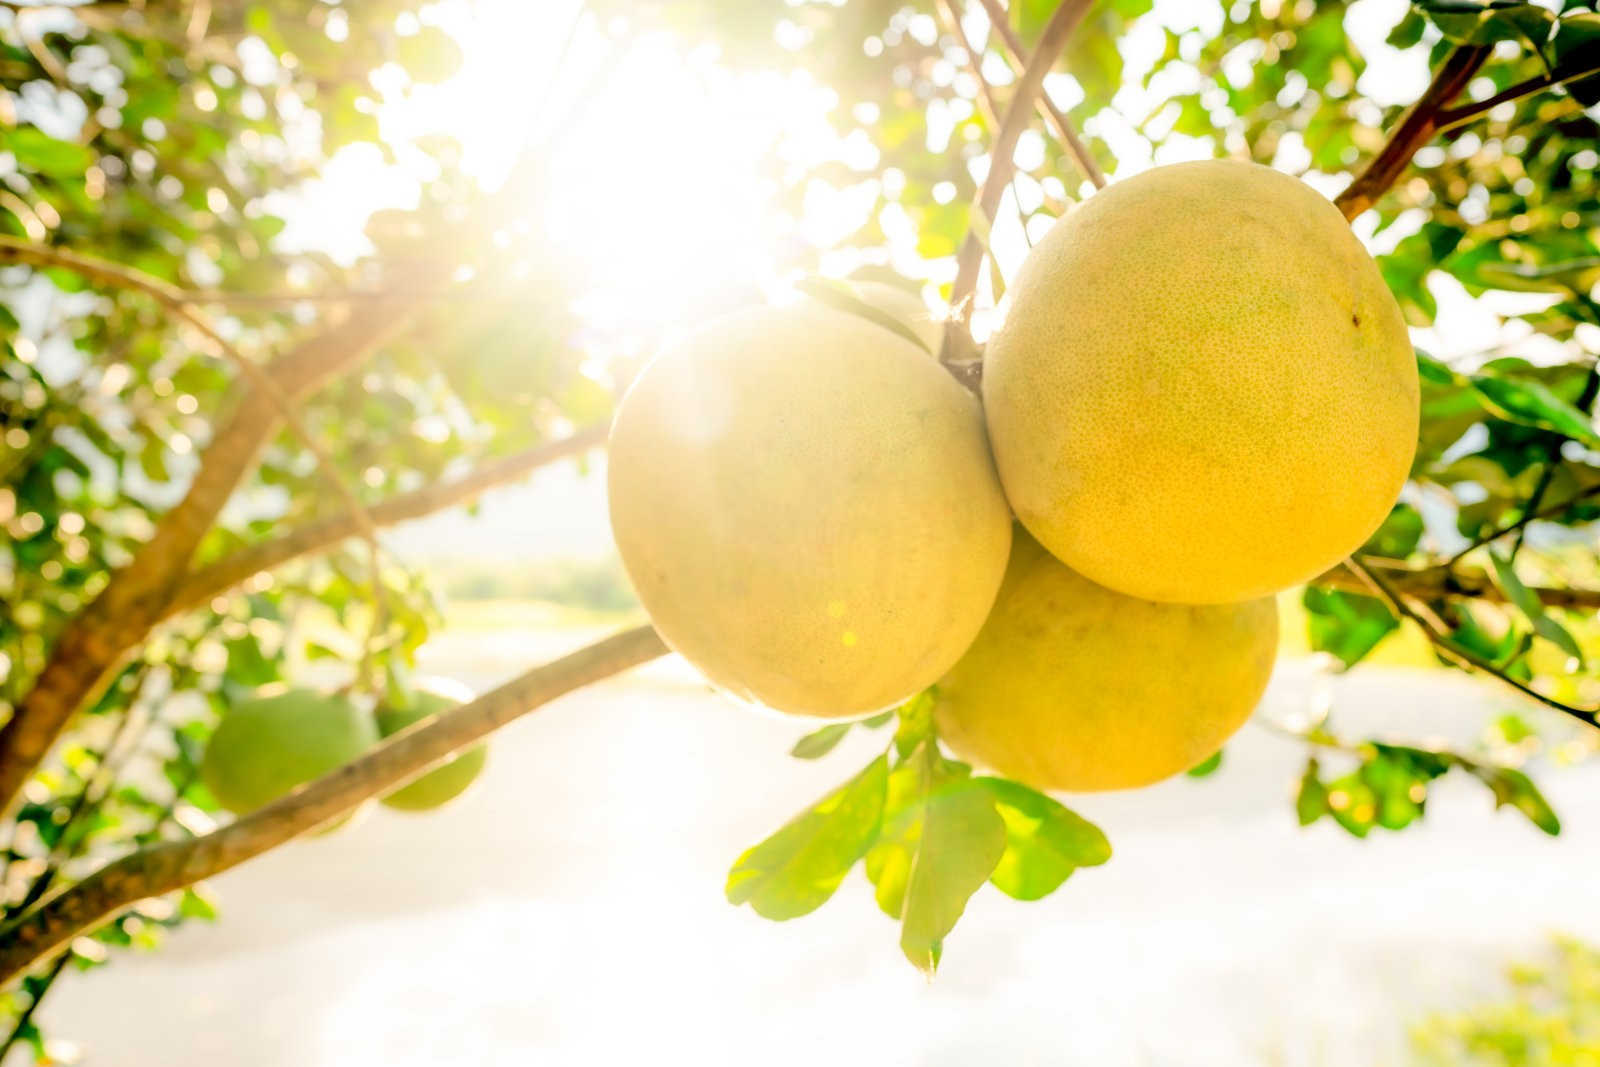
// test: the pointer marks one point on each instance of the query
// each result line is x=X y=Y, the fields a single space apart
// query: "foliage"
x=166 y=145
x=929 y=835
x=1551 y=1017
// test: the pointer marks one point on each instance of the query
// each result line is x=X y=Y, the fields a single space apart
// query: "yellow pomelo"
x=807 y=508
x=1202 y=391
x=1072 y=686
x=265 y=747
x=450 y=779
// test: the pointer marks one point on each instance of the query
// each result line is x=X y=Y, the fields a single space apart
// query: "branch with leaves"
x=957 y=347
x=57 y=919
x=136 y=597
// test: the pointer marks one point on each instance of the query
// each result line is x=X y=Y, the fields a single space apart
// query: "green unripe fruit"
x=263 y=748
x=446 y=782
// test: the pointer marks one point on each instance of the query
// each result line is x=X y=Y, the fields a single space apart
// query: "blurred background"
x=644 y=166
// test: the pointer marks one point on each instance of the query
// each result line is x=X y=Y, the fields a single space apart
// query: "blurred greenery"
x=1550 y=1018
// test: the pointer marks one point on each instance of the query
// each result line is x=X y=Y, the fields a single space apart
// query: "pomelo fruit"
x=1202 y=391
x=806 y=505
x=265 y=747
x=447 y=781
x=1072 y=686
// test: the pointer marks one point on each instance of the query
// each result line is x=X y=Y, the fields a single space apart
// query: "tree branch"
x=175 y=301
x=1419 y=126
x=1435 y=583
x=986 y=98
x=213 y=579
x=1448 y=649
x=1012 y=45
x=957 y=342
x=162 y=868
x=97 y=638
x=1453 y=117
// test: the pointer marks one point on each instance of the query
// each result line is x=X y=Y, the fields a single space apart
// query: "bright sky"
x=658 y=202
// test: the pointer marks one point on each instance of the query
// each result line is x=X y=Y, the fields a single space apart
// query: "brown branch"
x=213 y=579
x=1001 y=23
x=1434 y=583
x=1446 y=646
x=957 y=342
x=162 y=868
x=96 y=639
x=1453 y=117
x=1419 y=126
x=986 y=97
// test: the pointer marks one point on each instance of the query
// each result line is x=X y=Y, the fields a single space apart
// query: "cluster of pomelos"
x=1202 y=394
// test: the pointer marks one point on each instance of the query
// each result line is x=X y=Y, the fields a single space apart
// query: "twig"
x=24 y=1019
x=1514 y=527
x=957 y=341
x=165 y=867
x=1453 y=117
x=986 y=97
x=1449 y=650
x=1001 y=22
x=1419 y=126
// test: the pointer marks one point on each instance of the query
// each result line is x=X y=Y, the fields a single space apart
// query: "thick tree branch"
x=1068 y=134
x=1416 y=128
x=149 y=872
x=957 y=341
x=215 y=578
x=83 y=656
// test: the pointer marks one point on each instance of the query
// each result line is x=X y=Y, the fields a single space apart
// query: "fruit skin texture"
x=1071 y=686
x=1203 y=391
x=806 y=505
x=447 y=781
x=265 y=747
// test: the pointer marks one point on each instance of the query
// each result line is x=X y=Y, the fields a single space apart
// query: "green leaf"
x=38 y=151
x=1353 y=803
x=1311 y=801
x=1532 y=403
x=1045 y=842
x=1514 y=789
x=1348 y=625
x=819 y=743
x=1399 y=535
x=194 y=904
x=962 y=840
x=1207 y=766
x=1436 y=371
x=797 y=869
x=1527 y=602
x=916 y=722
x=1577 y=47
